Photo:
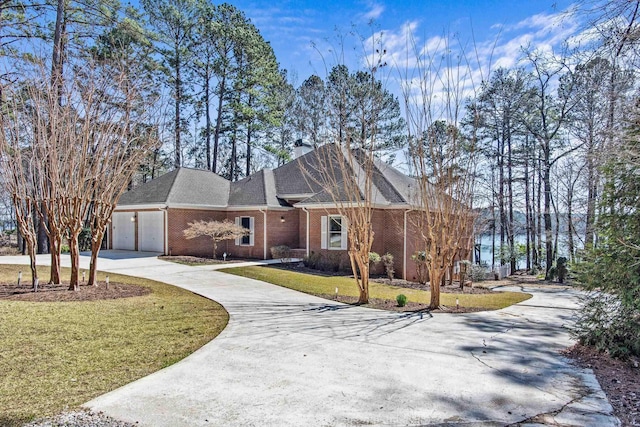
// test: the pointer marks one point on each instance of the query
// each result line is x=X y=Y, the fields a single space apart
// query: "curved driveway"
x=288 y=358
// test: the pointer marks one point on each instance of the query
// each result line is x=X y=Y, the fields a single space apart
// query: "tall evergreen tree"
x=174 y=22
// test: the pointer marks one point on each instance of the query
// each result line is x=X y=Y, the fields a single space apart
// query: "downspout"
x=264 y=233
x=307 y=239
x=404 y=257
x=166 y=229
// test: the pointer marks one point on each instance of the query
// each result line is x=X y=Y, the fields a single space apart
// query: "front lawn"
x=326 y=285
x=58 y=355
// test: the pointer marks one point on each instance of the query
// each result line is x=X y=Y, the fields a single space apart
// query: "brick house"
x=280 y=207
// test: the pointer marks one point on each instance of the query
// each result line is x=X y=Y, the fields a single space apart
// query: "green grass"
x=326 y=285
x=59 y=355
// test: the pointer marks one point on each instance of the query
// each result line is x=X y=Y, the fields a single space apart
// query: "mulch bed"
x=447 y=289
x=620 y=380
x=60 y=292
x=390 y=305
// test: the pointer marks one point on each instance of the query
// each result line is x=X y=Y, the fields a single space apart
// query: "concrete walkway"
x=287 y=358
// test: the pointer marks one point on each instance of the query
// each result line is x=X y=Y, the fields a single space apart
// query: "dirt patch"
x=620 y=380
x=60 y=292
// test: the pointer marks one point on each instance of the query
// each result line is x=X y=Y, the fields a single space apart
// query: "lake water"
x=485 y=248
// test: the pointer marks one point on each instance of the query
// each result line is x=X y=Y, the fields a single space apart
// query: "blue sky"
x=497 y=29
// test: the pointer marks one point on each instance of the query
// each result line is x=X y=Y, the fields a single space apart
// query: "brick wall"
x=389 y=237
x=178 y=221
x=392 y=236
x=302 y=229
x=282 y=233
x=245 y=251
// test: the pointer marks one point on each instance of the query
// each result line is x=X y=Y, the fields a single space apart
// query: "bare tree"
x=86 y=138
x=218 y=231
x=444 y=164
x=17 y=176
x=345 y=176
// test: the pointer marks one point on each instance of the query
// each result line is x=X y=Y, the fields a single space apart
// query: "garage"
x=124 y=230
x=151 y=231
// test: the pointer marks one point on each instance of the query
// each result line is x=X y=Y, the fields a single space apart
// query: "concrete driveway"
x=287 y=358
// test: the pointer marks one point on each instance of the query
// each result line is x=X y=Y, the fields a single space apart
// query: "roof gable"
x=182 y=186
x=155 y=191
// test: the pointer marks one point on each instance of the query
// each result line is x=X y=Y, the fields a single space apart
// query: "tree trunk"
x=178 y=99
x=501 y=207
x=570 y=230
x=435 y=278
x=592 y=194
x=55 y=246
x=248 y=171
x=216 y=135
x=512 y=247
x=96 y=244
x=74 y=251
x=207 y=130
x=527 y=204
x=547 y=213
x=43 y=247
x=361 y=273
x=539 y=213
x=34 y=269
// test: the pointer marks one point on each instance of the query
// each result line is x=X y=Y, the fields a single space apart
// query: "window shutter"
x=323 y=232
x=344 y=235
x=238 y=238
x=251 y=227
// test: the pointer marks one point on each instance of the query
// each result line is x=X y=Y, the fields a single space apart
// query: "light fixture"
x=133 y=218
x=281 y=219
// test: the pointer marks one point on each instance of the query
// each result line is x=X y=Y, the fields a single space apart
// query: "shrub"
x=422 y=272
x=374 y=258
x=401 y=300
x=281 y=252
x=387 y=261
x=477 y=273
x=64 y=249
x=313 y=260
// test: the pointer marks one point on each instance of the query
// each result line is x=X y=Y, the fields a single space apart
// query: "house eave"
x=334 y=206
x=140 y=207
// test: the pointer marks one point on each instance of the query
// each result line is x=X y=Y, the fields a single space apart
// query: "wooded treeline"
x=545 y=128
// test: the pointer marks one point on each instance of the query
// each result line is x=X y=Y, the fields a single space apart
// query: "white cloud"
x=374 y=12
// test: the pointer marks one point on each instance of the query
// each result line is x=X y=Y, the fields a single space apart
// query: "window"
x=248 y=223
x=334 y=232
x=245 y=222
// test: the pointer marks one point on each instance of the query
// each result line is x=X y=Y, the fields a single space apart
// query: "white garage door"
x=151 y=231
x=123 y=231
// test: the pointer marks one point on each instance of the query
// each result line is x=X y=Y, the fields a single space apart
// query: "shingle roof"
x=290 y=178
x=300 y=178
x=155 y=191
x=182 y=186
x=396 y=186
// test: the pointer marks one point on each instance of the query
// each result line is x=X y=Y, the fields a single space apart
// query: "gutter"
x=264 y=232
x=307 y=239
x=404 y=258
x=166 y=229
